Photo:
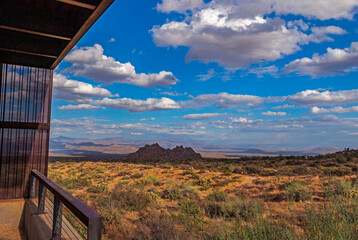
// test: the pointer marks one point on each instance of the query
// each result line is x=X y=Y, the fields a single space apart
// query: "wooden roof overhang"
x=40 y=33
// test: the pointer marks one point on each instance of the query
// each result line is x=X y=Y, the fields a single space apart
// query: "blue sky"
x=268 y=73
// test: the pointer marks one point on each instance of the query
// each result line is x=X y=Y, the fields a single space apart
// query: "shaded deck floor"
x=12 y=233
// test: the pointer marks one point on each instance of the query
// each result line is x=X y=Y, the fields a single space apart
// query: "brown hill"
x=156 y=152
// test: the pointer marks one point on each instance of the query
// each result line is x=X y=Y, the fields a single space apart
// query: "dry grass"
x=234 y=199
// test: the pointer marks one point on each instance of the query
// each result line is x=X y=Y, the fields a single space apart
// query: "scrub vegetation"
x=248 y=198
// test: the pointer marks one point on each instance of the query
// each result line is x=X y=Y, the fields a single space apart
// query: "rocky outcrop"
x=156 y=152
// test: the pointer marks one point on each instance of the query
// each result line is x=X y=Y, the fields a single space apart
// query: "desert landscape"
x=282 y=197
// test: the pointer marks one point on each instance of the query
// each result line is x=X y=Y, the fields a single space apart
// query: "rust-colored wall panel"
x=25 y=97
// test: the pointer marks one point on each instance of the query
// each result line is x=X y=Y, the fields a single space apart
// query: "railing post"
x=32 y=186
x=57 y=219
x=42 y=196
x=94 y=229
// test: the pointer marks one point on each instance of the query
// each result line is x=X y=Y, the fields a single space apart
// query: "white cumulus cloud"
x=339 y=109
x=241 y=120
x=147 y=119
x=179 y=5
x=201 y=116
x=320 y=9
x=68 y=89
x=272 y=114
x=315 y=97
x=335 y=61
x=92 y=63
x=134 y=105
x=80 y=107
x=236 y=34
x=223 y=100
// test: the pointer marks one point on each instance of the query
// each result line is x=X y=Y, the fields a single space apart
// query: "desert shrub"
x=239 y=170
x=224 y=183
x=241 y=208
x=253 y=169
x=330 y=164
x=100 y=169
x=265 y=229
x=190 y=207
x=297 y=191
x=112 y=224
x=355 y=168
x=338 y=219
x=155 y=196
x=73 y=182
x=191 y=171
x=337 y=171
x=261 y=182
x=190 y=215
x=340 y=158
x=258 y=227
x=205 y=182
x=346 y=188
x=151 y=180
x=213 y=209
x=172 y=194
x=301 y=171
x=234 y=207
x=217 y=196
x=294 y=163
x=131 y=199
x=153 y=225
x=287 y=171
x=137 y=175
x=100 y=188
x=227 y=173
x=190 y=191
x=172 y=191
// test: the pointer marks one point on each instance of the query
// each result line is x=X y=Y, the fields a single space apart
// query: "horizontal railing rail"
x=84 y=213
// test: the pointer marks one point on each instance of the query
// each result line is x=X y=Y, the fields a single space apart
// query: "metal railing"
x=84 y=213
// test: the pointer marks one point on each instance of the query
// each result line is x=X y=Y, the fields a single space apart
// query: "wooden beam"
x=78 y=4
x=35 y=33
x=25 y=125
x=62 y=24
x=31 y=43
x=25 y=60
x=28 y=53
x=102 y=7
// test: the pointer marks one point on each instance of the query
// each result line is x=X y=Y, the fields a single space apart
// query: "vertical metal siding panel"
x=1 y=130
x=25 y=96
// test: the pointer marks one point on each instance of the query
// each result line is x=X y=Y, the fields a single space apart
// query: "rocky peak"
x=156 y=152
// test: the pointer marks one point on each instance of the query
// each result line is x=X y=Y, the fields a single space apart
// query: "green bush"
x=101 y=188
x=131 y=199
x=189 y=191
x=338 y=219
x=340 y=158
x=297 y=191
x=205 y=182
x=217 y=196
x=337 y=171
x=190 y=215
x=242 y=209
x=233 y=207
x=137 y=175
x=346 y=188
x=258 y=227
x=151 y=180
x=172 y=194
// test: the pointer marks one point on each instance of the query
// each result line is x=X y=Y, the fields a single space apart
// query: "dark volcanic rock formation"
x=156 y=152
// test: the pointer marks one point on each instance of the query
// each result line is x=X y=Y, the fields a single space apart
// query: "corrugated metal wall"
x=25 y=107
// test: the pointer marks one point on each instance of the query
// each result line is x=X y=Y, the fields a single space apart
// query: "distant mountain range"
x=116 y=147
